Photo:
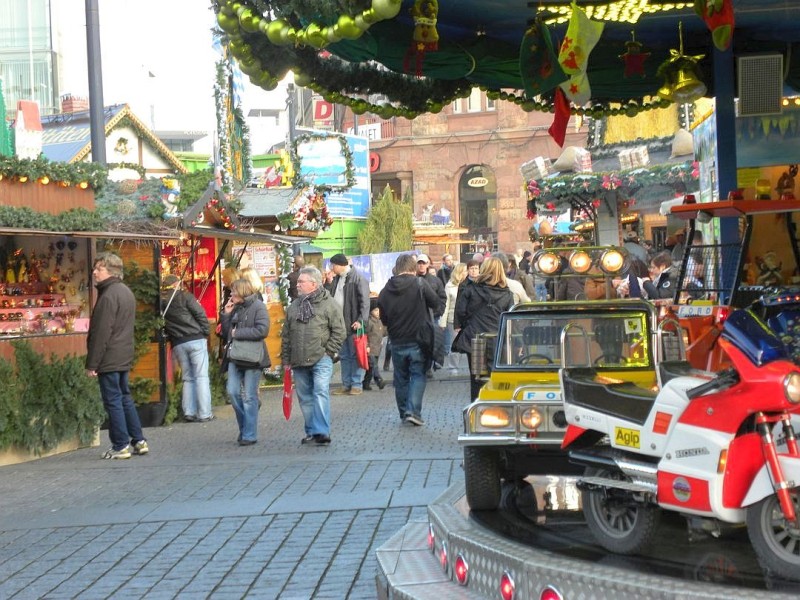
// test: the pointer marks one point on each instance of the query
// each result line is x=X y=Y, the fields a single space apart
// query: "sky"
x=168 y=39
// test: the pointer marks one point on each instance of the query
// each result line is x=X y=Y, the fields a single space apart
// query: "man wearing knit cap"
x=351 y=292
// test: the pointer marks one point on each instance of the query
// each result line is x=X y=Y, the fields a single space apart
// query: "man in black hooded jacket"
x=404 y=304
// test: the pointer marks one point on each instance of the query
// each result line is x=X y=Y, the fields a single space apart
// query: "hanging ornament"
x=718 y=16
x=633 y=57
x=681 y=73
x=538 y=63
x=425 y=37
x=573 y=56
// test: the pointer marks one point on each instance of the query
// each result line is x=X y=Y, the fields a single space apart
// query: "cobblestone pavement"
x=202 y=517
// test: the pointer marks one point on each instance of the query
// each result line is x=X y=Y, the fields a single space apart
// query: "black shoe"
x=322 y=440
x=367 y=388
x=308 y=439
x=381 y=384
x=386 y=366
x=247 y=442
x=189 y=418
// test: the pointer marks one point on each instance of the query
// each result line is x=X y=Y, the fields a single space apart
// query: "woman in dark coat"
x=245 y=317
x=478 y=309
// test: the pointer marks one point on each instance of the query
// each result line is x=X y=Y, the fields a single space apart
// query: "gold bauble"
x=386 y=9
x=347 y=28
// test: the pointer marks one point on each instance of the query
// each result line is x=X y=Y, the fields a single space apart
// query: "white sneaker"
x=123 y=453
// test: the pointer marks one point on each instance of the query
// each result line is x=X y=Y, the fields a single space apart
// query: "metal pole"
x=291 y=103
x=96 y=108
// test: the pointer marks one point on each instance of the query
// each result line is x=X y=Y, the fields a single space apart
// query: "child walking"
x=375 y=333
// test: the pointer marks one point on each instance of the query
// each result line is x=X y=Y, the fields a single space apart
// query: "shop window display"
x=44 y=285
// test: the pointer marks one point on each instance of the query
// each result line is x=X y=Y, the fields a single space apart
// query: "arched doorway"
x=477 y=208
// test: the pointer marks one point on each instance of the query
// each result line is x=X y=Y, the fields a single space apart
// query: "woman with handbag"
x=245 y=324
x=478 y=309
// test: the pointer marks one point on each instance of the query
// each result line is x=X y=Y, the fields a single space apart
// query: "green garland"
x=266 y=60
x=285 y=259
x=74 y=219
x=127 y=165
x=74 y=174
x=349 y=170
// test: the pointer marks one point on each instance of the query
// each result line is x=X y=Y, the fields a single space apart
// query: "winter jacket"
x=664 y=286
x=451 y=291
x=571 y=287
x=437 y=286
x=405 y=304
x=248 y=321
x=375 y=333
x=185 y=320
x=478 y=311
x=356 y=297
x=304 y=344
x=110 y=340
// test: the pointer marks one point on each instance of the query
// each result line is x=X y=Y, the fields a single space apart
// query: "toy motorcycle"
x=703 y=446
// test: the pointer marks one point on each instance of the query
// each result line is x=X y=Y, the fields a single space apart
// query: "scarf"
x=306 y=310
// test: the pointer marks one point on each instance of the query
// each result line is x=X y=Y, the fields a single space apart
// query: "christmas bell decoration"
x=681 y=73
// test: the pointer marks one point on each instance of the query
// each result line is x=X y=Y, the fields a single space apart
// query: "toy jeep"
x=515 y=426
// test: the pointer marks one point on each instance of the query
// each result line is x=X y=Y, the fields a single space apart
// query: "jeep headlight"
x=531 y=418
x=495 y=417
x=791 y=387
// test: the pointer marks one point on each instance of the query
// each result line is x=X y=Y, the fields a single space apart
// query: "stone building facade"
x=466 y=160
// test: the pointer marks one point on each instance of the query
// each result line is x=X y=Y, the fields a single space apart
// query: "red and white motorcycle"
x=702 y=446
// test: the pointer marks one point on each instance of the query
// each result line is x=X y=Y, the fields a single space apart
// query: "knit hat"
x=339 y=259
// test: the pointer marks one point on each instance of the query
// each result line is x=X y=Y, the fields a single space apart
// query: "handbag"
x=247 y=354
x=430 y=337
x=360 y=345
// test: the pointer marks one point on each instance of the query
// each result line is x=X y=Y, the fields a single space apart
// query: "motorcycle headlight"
x=791 y=387
x=495 y=417
x=531 y=418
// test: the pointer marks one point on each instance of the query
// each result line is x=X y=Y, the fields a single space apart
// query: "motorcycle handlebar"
x=725 y=379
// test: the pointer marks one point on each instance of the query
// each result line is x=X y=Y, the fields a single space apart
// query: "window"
x=457 y=107
x=475 y=100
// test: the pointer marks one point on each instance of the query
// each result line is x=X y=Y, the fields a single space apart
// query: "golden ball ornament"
x=386 y=9
x=347 y=28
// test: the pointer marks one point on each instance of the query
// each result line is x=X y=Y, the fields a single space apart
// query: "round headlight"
x=580 y=261
x=531 y=418
x=612 y=261
x=548 y=263
x=791 y=387
x=495 y=417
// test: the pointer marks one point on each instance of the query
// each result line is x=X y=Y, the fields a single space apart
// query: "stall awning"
x=244 y=236
x=104 y=235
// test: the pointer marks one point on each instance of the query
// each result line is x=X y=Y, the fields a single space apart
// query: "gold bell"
x=665 y=91
x=687 y=87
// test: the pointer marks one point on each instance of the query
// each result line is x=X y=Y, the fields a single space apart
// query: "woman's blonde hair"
x=251 y=275
x=242 y=288
x=459 y=274
x=492 y=273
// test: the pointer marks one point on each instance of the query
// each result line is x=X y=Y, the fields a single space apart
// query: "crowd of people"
x=328 y=312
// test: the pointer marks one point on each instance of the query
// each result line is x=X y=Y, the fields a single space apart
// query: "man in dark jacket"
x=423 y=262
x=187 y=328
x=109 y=356
x=404 y=303
x=446 y=270
x=350 y=291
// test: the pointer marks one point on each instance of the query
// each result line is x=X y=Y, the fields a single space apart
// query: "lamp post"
x=96 y=108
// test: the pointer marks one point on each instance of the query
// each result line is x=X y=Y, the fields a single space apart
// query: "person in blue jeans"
x=312 y=336
x=187 y=328
x=405 y=303
x=245 y=317
x=110 y=356
x=350 y=290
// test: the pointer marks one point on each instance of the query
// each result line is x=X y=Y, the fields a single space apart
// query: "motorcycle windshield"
x=752 y=336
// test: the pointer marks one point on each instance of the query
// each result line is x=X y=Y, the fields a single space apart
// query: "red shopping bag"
x=287 y=392
x=360 y=344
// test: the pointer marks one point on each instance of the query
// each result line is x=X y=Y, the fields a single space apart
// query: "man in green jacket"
x=312 y=336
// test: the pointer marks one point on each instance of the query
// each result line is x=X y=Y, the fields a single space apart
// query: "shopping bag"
x=287 y=392
x=360 y=344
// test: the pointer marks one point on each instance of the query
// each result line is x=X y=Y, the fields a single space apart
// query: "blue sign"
x=355 y=202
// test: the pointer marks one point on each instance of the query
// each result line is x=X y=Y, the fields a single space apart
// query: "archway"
x=477 y=204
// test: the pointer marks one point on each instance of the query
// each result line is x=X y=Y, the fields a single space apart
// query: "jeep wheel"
x=482 y=477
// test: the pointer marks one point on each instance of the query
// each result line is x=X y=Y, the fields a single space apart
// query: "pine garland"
x=25 y=170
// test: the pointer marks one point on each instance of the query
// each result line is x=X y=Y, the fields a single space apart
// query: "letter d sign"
x=323 y=110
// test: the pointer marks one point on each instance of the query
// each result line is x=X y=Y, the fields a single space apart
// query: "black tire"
x=618 y=525
x=482 y=478
x=776 y=542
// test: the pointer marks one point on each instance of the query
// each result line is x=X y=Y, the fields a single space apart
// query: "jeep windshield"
x=606 y=335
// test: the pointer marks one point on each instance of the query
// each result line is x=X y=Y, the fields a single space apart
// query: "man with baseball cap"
x=351 y=292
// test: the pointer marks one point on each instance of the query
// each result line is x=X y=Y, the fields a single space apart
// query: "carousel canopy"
x=421 y=55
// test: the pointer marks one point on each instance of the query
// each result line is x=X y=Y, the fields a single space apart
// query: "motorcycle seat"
x=670 y=369
x=624 y=400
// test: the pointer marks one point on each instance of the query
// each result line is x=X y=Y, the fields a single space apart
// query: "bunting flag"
x=538 y=63
x=581 y=37
x=558 y=130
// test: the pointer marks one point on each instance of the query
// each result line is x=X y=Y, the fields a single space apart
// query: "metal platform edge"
x=409 y=570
